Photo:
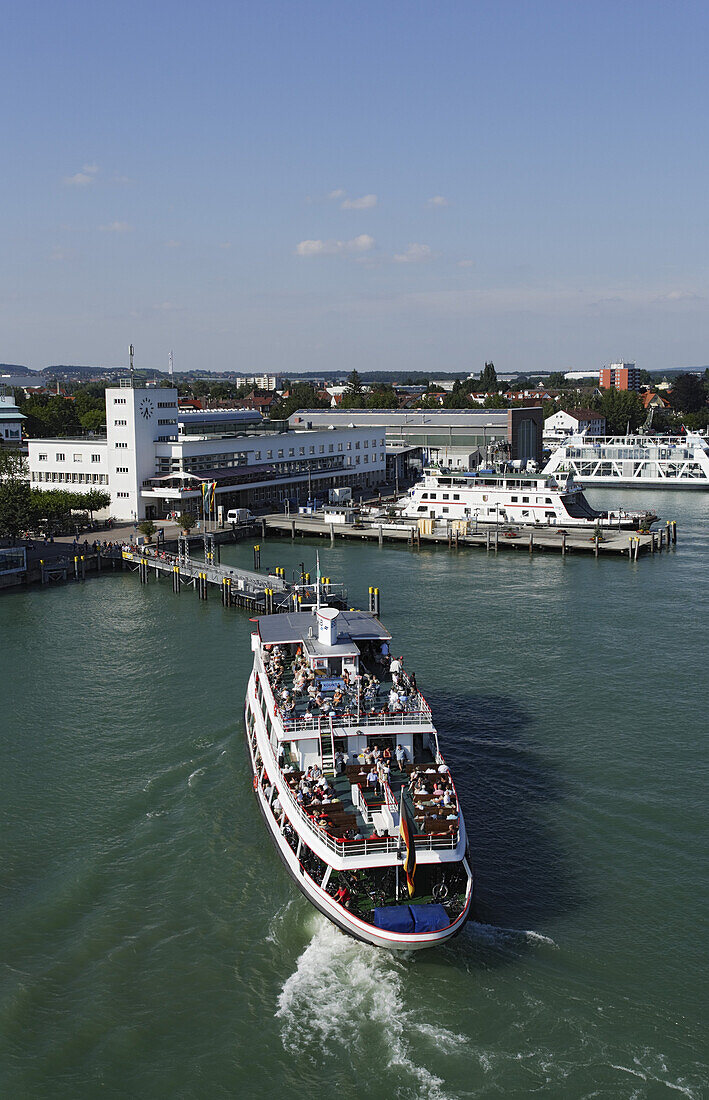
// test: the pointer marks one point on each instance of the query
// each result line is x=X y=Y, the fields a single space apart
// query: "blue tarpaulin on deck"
x=395 y=918
x=429 y=918
x=411 y=918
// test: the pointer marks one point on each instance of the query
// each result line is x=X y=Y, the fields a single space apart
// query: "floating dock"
x=458 y=535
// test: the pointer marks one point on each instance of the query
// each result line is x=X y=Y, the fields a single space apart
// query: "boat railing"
x=374 y=845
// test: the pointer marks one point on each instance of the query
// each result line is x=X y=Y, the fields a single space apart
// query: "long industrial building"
x=458 y=438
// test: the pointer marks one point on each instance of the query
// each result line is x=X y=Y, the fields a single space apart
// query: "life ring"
x=255 y=782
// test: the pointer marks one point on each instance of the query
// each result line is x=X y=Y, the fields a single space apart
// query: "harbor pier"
x=456 y=535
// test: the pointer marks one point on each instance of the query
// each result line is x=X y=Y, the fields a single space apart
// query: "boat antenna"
x=317 y=590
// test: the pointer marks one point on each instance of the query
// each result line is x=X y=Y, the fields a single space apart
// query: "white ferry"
x=516 y=498
x=650 y=461
x=351 y=781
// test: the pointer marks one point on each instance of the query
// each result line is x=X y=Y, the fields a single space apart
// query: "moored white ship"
x=648 y=461
x=351 y=782
x=511 y=498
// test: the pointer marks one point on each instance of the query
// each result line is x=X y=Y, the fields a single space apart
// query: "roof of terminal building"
x=404 y=417
x=355 y=626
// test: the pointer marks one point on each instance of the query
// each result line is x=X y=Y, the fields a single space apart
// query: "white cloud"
x=465 y=263
x=438 y=200
x=366 y=202
x=363 y=243
x=116 y=227
x=415 y=254
x=337 y=194
x=92 y=169
x=79 y=179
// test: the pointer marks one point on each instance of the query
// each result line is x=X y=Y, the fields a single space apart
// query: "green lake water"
x=153 y=945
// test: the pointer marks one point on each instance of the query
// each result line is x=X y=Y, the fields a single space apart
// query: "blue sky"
x=322 y=186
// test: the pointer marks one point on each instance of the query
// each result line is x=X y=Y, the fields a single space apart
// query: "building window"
x=59 y=457
x=121 y=444
x=339 y=446
x=121 y=469
x=269 y=454
x=366 y=442
x=119 y=400
x=119 y=423
x=77 y=458
x=280 y=454
x=121 y=494
x=95 y=458
x=312 y=450
x=301 y=450
x=322 y=448
x=357 y=445
x=366 y=458
x=41 y=458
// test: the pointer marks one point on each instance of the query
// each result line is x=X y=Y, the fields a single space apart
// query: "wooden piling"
x=531 y=542
x=563 y=545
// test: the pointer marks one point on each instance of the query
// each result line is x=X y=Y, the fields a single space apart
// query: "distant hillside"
x=15 y=368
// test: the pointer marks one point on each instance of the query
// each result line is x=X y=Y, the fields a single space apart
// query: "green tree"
x=13 y=465
x=556 y=380
x=93 y=420
x=496 y=402
x=15 y=507
x=301 y=396
x=147 y=528
x=186 y=521
x=94 y=501
x=488 y=377
x=354 y=383
x=688 y=393
x=622 y=409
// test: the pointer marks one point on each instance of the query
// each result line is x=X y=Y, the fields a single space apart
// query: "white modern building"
x=562 y=424
x=155 y=457
x=11 y=420
x=259 y=381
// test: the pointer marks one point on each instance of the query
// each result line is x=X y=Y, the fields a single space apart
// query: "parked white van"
x=239 y=515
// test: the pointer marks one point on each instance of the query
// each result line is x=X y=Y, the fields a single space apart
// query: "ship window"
x=550 y=515
x=547 y=500
x=446 y=509
x=456 y=496
x=446 y=496
x=424 y=496
x=422 y=508
x=525 y=500
x=515 y=499
x=525 y=511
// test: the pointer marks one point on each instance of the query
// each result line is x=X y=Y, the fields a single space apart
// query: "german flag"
x=406 y=831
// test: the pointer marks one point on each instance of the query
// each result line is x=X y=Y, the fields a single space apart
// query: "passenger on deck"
x=402 y=756
x=393 y=697
x=346 y=677
x=343 y=896
x=386 y=755
x=396 y=666
x=341 y=759
x=372 y=779
x=337 y=697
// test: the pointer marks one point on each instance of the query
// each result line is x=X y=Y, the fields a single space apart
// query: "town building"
x=562 y=424
x=155 y=457
x=619 y=376
x=11 y=420
x=260 y=381
x=459 y=438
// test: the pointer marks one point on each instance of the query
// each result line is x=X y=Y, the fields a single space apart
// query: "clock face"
x=146 y=408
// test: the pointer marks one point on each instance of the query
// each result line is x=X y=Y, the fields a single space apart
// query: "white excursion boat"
x=524 y=499
x=352 y=785
x=650 y=461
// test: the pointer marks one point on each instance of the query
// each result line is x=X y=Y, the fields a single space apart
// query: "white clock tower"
x=133 y=424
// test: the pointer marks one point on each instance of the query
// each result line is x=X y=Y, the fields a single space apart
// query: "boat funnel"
x=327 y=625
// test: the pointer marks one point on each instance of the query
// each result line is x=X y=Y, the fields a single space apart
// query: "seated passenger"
x=343 y=895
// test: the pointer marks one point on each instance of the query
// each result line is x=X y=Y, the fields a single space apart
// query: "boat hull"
x=347 y=922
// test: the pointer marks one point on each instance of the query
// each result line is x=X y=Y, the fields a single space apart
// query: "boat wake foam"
x=349 y=999
x=493 y=933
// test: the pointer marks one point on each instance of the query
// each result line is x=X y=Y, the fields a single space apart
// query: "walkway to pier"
x=238 y=587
